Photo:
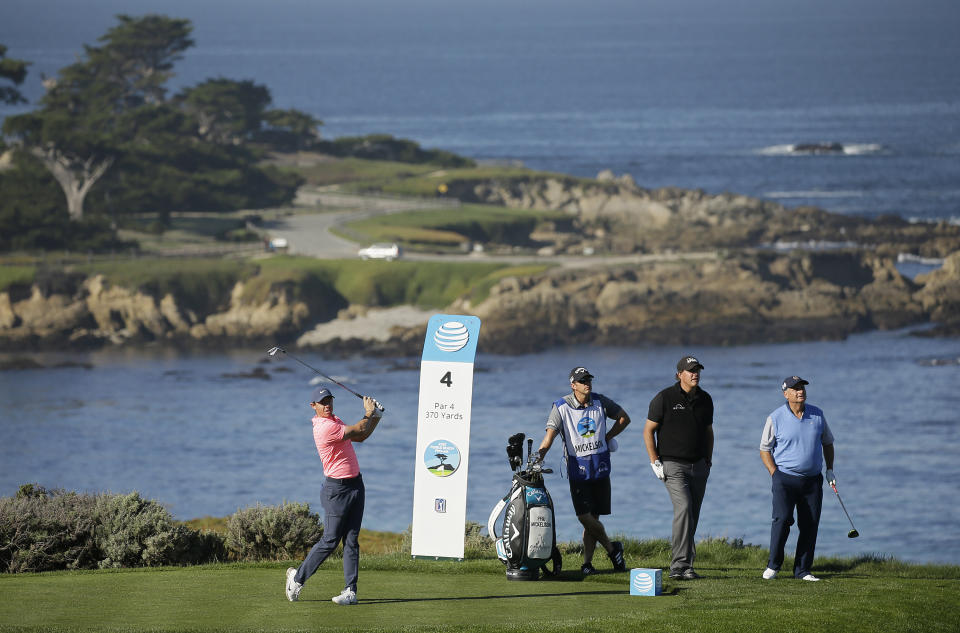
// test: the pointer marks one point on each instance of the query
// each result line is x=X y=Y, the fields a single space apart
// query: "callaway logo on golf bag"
x=528 y=541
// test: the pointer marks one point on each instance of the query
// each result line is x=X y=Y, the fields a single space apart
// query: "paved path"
x=309 y=233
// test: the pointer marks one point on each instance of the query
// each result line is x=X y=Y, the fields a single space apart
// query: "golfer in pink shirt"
x=342 y=496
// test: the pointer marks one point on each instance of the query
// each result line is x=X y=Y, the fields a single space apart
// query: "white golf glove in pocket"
x=658 y=470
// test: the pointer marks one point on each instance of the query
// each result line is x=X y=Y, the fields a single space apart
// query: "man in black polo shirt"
x=679 y=439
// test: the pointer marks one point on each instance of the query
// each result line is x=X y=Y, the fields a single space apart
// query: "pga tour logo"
x=440 y=505
x=452 y=336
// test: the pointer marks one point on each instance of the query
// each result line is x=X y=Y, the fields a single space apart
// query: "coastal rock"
x=940 y=296
x=635 y=219
x=278 y=316
x=733 y=300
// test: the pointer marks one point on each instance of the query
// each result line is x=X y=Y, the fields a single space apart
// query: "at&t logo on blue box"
x=646 y=582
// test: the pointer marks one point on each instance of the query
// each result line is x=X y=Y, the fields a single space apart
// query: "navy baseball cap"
x=319 y=394
x=579 y=373
x=792 y=382
x=688 y=363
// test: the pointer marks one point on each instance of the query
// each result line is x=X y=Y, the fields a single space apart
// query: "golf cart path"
x=310 y=233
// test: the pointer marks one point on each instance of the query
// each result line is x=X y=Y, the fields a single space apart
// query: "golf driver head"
x=853 y=534
x=273 y=351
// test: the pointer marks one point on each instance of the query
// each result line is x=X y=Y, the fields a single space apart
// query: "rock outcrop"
x=615 y=215
x=732 y=300
x=747 y=297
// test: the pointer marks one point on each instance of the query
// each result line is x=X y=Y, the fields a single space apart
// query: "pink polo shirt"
x=337 y=454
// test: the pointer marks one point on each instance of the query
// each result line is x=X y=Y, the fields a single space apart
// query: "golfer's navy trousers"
x=342 y=501
x=806 y=495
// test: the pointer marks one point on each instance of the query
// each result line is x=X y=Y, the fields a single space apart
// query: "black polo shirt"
x=684 y=420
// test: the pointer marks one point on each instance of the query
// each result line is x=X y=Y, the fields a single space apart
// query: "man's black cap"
x=792 y=382
x=578 y=374
x=688 y=363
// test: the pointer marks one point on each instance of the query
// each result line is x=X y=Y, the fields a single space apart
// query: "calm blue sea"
x=174 y=427
x=688 y=93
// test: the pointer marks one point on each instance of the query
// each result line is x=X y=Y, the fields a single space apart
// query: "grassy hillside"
x=400 y=594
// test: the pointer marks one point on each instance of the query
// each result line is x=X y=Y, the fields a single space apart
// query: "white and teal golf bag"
x=528 y=541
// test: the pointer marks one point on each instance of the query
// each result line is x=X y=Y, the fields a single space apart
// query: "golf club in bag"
x=273 y=351
x=852 y=533
x=529 y=539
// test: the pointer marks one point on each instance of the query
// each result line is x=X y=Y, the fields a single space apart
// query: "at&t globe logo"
x=452 y=336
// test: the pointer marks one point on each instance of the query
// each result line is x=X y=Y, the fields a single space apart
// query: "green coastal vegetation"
x=112 y=567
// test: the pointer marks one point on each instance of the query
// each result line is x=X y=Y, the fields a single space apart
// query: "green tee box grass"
x=397 y=594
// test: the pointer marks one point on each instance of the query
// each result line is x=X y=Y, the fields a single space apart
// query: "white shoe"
x=810 y=578
x=347 y=596
x=769 y=574
x=293 y=587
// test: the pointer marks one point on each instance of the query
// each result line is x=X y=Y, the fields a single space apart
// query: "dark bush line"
x=47 y=530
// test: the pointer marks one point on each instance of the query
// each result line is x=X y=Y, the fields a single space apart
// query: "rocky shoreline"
x=728 y=289
x=732 y=298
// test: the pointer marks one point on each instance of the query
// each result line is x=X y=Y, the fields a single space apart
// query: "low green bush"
x=135 y=532
x=285 y=531
x=45 y=530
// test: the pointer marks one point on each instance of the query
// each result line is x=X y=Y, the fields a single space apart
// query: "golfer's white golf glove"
x=658 y=470
x=831 y=479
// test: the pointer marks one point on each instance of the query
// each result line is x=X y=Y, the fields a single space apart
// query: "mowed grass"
x=399 y=594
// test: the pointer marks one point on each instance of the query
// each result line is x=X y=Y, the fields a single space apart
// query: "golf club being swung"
x=274 y=350
x=852 y=533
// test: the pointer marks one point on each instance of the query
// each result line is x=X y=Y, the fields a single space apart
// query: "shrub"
x=282 y=532
x=135 y=532
x=44 y=530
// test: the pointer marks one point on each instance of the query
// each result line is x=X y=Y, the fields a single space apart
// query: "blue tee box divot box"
x=646 y=582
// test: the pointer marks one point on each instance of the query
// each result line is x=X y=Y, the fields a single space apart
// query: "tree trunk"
x=75 y=175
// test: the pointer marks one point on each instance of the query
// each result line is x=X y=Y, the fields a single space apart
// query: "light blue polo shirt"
x=796 y=443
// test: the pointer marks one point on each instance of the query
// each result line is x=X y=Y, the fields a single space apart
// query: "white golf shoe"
x=347 y=596
x=293 y=587
x=769 y=574
x=810 y=578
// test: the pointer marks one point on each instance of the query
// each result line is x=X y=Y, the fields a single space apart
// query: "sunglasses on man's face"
x=585 y=381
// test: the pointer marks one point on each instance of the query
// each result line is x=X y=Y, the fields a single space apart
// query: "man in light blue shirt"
x=796 y=442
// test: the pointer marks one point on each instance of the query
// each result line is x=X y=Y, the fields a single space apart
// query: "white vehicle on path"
x=388 y=252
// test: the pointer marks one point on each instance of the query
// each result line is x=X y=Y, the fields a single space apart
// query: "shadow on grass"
x=499 y=597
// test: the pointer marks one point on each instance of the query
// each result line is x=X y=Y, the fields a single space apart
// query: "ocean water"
x=691 y=93
x=179 y=429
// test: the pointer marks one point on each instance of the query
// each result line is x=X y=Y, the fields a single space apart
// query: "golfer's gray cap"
x=689 y=363
x=319 y=394
x=792 y=382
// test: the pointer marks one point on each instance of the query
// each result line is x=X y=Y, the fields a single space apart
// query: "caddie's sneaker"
x=689 y=574
x=769 y=574
x=347 y=596
x=810 y=578
x=587 y=569
x=616 y=557
x=293 y=587
x=676 y=574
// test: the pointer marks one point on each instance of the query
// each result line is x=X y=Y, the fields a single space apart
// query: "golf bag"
x=528 y=540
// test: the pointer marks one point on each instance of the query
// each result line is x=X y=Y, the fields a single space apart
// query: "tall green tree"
x=14 y=70
x=88 y=115
x=227 y=112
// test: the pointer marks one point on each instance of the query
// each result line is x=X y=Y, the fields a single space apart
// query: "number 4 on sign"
x=447 y=379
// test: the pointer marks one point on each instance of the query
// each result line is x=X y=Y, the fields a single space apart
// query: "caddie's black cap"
x=579 y=373
x=792 y=382
x=688 y=363
x=319 y=394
